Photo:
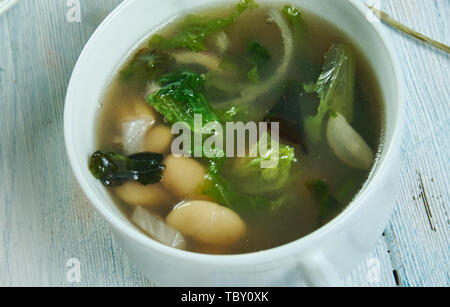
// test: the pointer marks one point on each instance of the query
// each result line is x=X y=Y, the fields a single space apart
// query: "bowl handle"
x=319 y=272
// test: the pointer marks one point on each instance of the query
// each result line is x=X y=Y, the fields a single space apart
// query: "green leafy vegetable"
x=255 y=179
x=309 y=87
x=145 y=64
x=335 y=87
x=321 y=192
x=181 y=97
x=258 y=55
x=347 y=190
x=114 y=169
x=222 y=191
x=253 y=75
x=230 y=114
x=295 y=19
x=198 y=28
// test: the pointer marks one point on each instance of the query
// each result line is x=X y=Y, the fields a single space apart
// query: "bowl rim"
x=268 y=255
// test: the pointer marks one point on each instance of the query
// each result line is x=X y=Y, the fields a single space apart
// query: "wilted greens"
x=336 y=89
x=224 y=192
x=145 y=64
x=114 y=169
x=196 y=29
x=181 y=97
x=321 y=191
x=255 y=178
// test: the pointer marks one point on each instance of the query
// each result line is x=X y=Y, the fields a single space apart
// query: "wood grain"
x=45 y=219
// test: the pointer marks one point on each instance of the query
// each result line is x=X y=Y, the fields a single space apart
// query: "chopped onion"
x=223 y=43
x=158 y=229
x=133 y=134
x=208 y=60
x=347 y=144
x=152 y=88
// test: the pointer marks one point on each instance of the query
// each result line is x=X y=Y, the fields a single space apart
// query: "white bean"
x=183 y=175
x=158 y=139
x=150 y=196
x=207 y=223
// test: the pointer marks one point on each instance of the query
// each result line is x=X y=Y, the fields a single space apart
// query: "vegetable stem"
x=392 y=22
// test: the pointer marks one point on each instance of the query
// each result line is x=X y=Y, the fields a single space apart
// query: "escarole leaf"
x=114 y=169
x=145 y=64
x=294 y=16
x=197 y=29
x=255 y=178
x=322 y=193
x=335 y=87
x=253 y=75
x=181 y=97
x=258 y=55
x=224 y=193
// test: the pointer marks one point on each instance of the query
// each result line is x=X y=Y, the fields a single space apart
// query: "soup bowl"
x=323 y=257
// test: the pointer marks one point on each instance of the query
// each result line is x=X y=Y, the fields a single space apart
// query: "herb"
x=309 y=87
x=321 y=192
x=113 y=169
x=198 y=28
x=255 y=178
x=253 y=75
x=335 y=87
x=224 y=193
x=258 y=55
x=145 y=64
x=258 y=190
x=294 y=17
x=181 y=97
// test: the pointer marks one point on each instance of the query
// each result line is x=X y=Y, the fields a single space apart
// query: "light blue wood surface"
x=45 y=220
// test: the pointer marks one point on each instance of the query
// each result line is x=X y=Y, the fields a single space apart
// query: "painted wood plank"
x=418 y=234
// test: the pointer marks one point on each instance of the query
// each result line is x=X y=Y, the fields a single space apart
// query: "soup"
x=284 y=114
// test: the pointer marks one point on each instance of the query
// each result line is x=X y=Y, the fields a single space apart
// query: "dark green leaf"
x=258 y=55
x=181 y=97
x=335 y=87
x=115 y=169
x=321 y=192
x=253 y=75
x=255 y=179
x=222 y=191
x=295 y=19
x=196 y=29
x=145 y=64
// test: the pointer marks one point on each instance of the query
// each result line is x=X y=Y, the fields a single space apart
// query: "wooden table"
x=45 y=220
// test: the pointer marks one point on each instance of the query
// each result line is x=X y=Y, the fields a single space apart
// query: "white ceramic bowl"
x=322 y=258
